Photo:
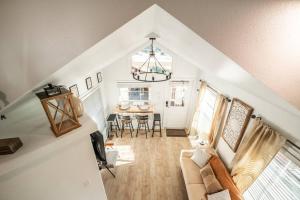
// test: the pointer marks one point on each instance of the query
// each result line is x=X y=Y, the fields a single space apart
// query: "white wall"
x=94 y=108
x=70 y=172
x=119 y=71
x=47 y=167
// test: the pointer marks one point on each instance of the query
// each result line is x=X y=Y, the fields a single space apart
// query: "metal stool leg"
x=122 y=129
x=153 y=126
x=147 y=126
x=137 y=129
x=129 y=126
x=118 y=127
x=160 y=128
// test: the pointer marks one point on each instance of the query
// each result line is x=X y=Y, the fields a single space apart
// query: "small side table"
x=198 y=143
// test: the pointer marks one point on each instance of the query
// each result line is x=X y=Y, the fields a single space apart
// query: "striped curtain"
x=193 y=128
x=254 y=154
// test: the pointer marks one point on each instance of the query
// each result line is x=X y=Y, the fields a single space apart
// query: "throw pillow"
x=223 y=195
x=200 y=157
x=211 y=183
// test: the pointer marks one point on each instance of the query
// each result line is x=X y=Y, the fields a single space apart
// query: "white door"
x=177 y=104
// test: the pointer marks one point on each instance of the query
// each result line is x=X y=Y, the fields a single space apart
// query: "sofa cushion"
x=223 y=195
x=196 y=191
x=211 y=183
x=201 y=157
x=224 y=177
x=190 y=171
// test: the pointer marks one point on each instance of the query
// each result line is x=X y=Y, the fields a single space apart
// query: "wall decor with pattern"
x=236 y=123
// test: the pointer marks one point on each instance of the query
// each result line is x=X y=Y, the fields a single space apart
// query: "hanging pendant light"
x=151 y=70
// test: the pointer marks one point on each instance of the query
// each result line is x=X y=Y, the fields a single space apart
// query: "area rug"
x=176 y=133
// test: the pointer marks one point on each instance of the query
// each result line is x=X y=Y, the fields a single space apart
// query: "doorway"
x=177 y=104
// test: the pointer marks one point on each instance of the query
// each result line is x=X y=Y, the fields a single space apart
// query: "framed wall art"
x=74 y=90
x=236 y=123
x=88 y=82
x=99 y=77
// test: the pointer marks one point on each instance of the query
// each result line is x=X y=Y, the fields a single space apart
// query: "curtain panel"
x=218 y=119
x=255 y=153
x=194 y=125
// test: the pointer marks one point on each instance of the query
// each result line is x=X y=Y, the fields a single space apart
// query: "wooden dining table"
x=134 y=110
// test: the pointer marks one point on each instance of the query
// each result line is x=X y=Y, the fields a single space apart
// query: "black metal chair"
x=142 y=122
x=156 y=122
x=99 y=149
x=126 y=121
x=113 y=124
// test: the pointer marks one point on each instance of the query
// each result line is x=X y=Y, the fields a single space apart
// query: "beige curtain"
x=255 y=154
x=218 y=118
x=193 y=128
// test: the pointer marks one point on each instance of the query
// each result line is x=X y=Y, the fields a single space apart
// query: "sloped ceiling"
x=261 y=36
x=40 y=37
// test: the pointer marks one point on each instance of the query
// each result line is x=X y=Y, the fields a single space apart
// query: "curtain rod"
x=289 y=141
x=227 y=98
x=254 y=116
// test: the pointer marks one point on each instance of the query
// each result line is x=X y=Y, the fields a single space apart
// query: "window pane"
x=134 y=94
x=177 y=95
x=207 y=107
x=280 y=180
x=144 y=96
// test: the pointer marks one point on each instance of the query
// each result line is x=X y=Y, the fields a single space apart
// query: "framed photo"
x=236 y=123
x=88 y=82
x=74 y=90
x=99 y=77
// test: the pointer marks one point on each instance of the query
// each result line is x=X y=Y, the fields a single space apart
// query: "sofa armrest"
x=186 y=153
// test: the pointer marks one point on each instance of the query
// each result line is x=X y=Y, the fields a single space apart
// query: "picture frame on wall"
x=74 y=90
x=99 y=77
x=236 y=123
x=89 y=83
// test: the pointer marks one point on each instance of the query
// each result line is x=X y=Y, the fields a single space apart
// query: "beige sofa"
x=192 y=178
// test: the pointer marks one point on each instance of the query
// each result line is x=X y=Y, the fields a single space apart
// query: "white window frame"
x=134 y=101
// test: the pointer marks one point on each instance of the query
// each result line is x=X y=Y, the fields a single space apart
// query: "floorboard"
x=148 y=169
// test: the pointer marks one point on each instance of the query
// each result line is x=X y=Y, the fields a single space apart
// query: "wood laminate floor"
x=147 y=169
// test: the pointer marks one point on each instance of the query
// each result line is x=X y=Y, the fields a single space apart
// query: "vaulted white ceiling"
x=236 y=29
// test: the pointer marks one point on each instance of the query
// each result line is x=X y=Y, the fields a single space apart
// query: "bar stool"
x=126 y=121
x=156 y=122
x=142 y=122
x=113 y=124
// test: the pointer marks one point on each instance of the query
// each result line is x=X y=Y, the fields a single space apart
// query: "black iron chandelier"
x=151 y=70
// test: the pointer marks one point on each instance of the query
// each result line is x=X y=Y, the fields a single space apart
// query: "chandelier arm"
x=160 y=64
x=147 y=69
x=144 y=63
